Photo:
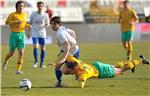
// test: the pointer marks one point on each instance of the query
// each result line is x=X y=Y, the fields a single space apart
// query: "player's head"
x=40 y=5
x=72 y=65
x=55 y=23
x=19 y=6
x=126 y=4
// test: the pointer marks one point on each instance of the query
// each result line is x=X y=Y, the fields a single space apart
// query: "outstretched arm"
x=82 y=84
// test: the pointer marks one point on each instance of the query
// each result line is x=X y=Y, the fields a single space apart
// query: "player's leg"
x=58 y=71
x=124 y=41
x=42 y=56
x=35 y=50
x=124 y=66
x=130 y=36
x=12 y=47
x=105 y=70
x=129 y=50
x=7 y=57
x=20 y=47
x=20 y=61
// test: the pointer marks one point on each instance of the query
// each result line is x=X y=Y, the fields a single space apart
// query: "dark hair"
x=126 y=1
x=71 y=65
x=55 y=19
x=17 y=3
x=40 y=2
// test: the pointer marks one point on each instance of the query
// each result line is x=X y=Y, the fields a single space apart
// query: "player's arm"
x=28 y=27
x=46 y=20
x=82 y=83
x=82 y=80
x=119 y=18
x=135 y=17
x=66 y=47
x=10 y=20
x=72 y=33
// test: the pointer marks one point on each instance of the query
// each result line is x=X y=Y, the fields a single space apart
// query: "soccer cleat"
x=4 y=67
x=58 y=84
x=129 y=58
x=144 y=61
x=42 y=66
x=133 y=69
x=19 y=72
x=35 y=65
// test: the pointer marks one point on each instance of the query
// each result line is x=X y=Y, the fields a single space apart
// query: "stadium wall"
x=87 y=33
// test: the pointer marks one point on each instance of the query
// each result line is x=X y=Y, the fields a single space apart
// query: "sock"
x=19 y=63
x=42 y=57
x=131 y=64
x=120 y=64
x=35 y=54
x=58 y=74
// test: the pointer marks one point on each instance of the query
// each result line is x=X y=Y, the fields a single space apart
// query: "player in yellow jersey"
x=84 y=71
x=17 y=24
x=127 y=18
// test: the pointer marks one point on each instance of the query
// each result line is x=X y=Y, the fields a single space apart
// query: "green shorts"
x=127 y=36
x=17 y=40
x=105 y=70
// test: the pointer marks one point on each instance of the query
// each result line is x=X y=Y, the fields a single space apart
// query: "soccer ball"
x=25 y=84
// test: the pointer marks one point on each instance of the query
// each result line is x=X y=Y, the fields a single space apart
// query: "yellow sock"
x=128 y=65
x=19 y=63
x=120 y=64
x=131 y=64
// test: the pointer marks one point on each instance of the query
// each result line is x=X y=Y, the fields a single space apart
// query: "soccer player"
x=17 y=24
x=49 y=11
x=39 y=21
x=98 y=69
x=66 y=40
x=127 y=18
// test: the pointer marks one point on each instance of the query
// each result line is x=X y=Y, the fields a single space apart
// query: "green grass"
x=128 y=84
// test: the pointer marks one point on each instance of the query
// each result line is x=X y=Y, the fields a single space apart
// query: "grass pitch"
x=43 y=80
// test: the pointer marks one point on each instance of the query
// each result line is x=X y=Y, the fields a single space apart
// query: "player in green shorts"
x=127 y=18
x=84 y=71
x=17 y=23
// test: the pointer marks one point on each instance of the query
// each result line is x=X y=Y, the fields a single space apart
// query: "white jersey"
x=38 y=22
x=63 y=35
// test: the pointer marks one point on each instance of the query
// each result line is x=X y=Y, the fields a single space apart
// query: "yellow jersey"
x=13 y=19
x=127 y=16
x=84 y=71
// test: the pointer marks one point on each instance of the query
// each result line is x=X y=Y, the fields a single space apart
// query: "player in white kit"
x=66 y=40
x=39 y=21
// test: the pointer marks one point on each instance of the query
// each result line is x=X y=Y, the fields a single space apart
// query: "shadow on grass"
x=41 y=87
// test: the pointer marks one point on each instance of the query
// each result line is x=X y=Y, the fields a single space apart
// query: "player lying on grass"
x=84 y=71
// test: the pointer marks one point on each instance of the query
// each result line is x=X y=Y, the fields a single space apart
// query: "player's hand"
x=28 y=35
x=19 y=21
x=131 y=23
x=51 y=63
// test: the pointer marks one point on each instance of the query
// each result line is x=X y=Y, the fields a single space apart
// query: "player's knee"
x=10 y=54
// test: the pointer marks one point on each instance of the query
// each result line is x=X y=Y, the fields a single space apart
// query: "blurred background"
x=93 y=20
